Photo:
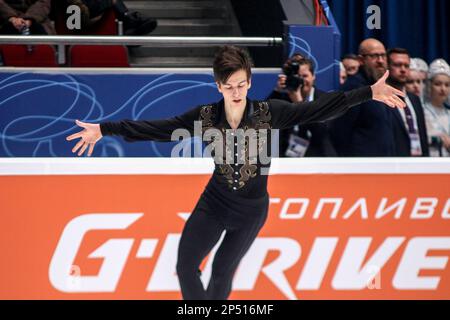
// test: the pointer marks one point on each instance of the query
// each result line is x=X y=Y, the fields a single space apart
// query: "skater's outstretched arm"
x=132 y=130
x=332 y=105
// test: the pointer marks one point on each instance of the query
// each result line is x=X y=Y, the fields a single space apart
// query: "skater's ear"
x=219 y=87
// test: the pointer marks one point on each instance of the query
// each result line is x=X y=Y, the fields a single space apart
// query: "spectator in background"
x=134 y=23
x=423 y=70
x=423 y=67
x=448 y=98
x=410 y=132
x=25 y=17
x=342 y=74
x=437 y=112
x=310 y=140
x=351 y=63
x=417 y=77
x=366 y=129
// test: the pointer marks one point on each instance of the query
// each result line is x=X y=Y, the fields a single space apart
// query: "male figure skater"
x=236 y=198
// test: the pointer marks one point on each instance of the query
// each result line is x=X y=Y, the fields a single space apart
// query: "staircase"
x=183 y=18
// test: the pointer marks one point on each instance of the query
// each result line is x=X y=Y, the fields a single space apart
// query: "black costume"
x=317 y=134
x=236 y=198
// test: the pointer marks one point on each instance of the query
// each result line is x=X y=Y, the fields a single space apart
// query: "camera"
x=293 y=80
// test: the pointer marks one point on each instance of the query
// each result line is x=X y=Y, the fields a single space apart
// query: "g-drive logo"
x=355 y=271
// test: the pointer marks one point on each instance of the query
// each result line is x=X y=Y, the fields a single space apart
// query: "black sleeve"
x=329 y=106
x=157 y=130
x=277 y=95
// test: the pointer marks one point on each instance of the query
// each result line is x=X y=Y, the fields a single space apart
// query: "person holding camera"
x=25 y=17
x=296 y=84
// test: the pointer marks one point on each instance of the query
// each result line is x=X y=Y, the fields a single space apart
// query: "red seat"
x=107 y=25
x=98 y=56
x=19 y=56
x=94 y=55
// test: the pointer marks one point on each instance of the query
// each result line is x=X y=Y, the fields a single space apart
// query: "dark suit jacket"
x=319 y=143
x=366 y=129
x=401 y=136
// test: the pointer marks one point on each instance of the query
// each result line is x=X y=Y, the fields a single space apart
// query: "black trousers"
x=201 y=233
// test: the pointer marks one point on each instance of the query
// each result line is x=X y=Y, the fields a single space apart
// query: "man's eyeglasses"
x=375 y=55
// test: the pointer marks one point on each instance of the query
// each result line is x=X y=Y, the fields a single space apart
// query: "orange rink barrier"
x=108 y=228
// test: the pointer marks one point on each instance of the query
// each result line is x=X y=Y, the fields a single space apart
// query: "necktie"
x=416 y=148
x=409 y=118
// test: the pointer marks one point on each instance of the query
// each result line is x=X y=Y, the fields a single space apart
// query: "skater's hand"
x=89 y=137
x=387 y=94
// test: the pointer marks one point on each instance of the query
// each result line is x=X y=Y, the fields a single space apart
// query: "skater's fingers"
x=77 y=146
x=91 y=149
x=399 y=102
x=384 y=77
x=390 y=102
x=397 y=92
x=74 y=136
x=80 y=123
x=83 y=148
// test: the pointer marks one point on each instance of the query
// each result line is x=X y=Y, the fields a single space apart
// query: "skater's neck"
x=234 y=114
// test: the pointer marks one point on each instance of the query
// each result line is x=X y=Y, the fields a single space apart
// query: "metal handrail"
x=144 y=40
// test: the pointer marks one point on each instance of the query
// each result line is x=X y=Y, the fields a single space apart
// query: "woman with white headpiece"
x=437 y=112
x=417 y=77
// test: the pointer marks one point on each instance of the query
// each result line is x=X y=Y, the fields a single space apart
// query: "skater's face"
x=235 y=89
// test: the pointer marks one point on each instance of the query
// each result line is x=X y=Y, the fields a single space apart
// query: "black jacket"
x=242 y=175
x=319 y=143
x=401 y=136
x=366 y=130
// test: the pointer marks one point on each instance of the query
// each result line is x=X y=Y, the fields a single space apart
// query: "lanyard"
x=409 y=117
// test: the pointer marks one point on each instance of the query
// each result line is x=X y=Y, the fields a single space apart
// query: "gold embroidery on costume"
x=247 y=158
x=207 y=117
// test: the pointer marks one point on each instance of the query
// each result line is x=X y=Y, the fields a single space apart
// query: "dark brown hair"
x=228 y=60
x=396 y=51
x=350 y=56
